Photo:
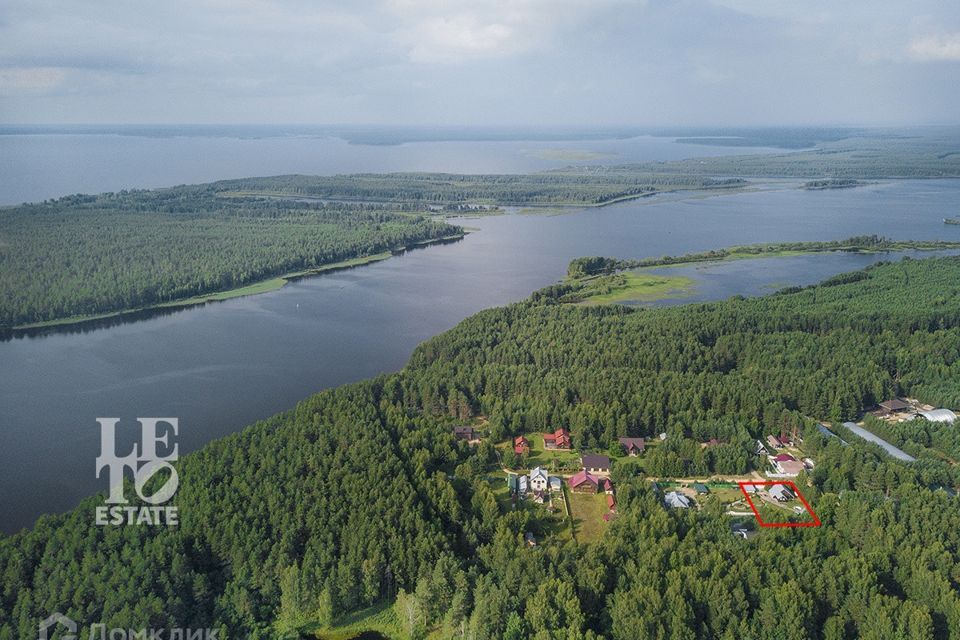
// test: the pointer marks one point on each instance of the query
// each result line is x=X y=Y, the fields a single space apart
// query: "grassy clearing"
x=379 y=617
x=640 y=286
x=542 y=457
x=587 y=510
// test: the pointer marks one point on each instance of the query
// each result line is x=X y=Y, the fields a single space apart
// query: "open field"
x=587 y=510
x=640 y=286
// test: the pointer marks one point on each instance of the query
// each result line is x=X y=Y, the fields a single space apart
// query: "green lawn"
x=640 y=286
x=587 y=511
x=539 y=456
x=379 y=617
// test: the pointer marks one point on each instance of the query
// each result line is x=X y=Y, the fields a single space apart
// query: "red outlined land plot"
x=815 y=522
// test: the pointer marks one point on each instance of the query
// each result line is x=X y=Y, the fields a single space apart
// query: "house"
x=676 y=500
x=595 y=463
x=894 y=405
x=632 y=446
x=611 y=503
x=701 y=488
x=781 y=492
x=607 y=486
x=559 y=439
x=522 y=485
x=464 y=433
x=512 y=484
x=583 y=482
x=556 y=484
x=521 y=445
x=776 y=442
x=787 y=465
x=539 y=480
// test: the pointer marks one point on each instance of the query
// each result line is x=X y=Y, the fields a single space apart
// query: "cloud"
x=936 y=48
x=14 y=80
x=436 y=31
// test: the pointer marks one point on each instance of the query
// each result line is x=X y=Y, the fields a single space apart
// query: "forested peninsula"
x=361 y=499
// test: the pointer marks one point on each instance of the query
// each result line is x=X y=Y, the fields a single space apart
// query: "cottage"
x=556 y=484
x=776 y=442
x=787 y=466
x=781 y=492
x=611 y=503
x=522 y=485
x=632 y=446
x=607 y=486
x=559 y=439
x=464 y=433
x=596 y=463
x=521 y=445
x=539 y=480
x=676 y=500
x=583 y=482
x=894 y=405
x=701 y=488
x=512 y=484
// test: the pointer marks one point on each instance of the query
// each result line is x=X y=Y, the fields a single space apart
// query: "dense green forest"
x=361 y=493
x=583 y=187
x=88 y=255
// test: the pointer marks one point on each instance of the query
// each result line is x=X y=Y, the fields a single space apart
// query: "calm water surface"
x=222 y=366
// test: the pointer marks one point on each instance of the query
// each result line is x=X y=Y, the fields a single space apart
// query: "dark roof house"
x=595 y=463
x=632 y=446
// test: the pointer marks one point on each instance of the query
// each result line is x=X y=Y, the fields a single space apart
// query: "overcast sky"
x=659 y=62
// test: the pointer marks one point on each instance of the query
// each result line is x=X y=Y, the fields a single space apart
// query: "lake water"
x=225 y=365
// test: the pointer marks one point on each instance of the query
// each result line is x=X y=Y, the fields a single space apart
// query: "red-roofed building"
x=611 y=503
x=559 y=439
x=521 y=445
x=607 y=486
x=583 y=482
x=783 y=457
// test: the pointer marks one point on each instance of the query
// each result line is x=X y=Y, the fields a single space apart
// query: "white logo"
x=54 y=619
x=144 y=461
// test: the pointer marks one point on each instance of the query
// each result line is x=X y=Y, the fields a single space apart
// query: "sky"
x=488 y=62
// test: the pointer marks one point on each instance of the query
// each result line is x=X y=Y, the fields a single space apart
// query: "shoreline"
x=261 y=286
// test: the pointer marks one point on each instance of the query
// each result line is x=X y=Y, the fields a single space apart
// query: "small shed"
x=701 y=488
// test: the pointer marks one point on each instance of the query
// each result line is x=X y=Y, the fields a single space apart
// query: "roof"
x=611 y=502
x=783 y=457
x=939 y=415
x=792 y=466
x=581 y=477
x=594 y=461
x=895 y=404
x=677 y=500
x=520 y=440
x=700 y=487
x=774 y=440
x=781 y=490
x=607 y=485
x=539 y=472
x=463 y=430
x=632 y=443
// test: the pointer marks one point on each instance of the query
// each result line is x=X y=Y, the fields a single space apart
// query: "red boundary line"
x=814 y=523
